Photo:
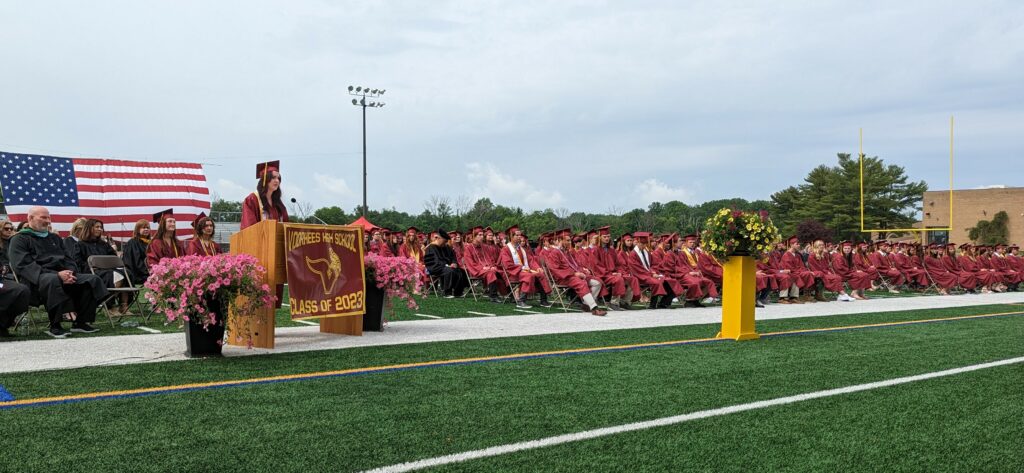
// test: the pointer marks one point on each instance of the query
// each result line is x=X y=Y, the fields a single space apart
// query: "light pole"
x=363 y=93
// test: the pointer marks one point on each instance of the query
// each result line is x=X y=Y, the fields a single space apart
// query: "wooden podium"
x=265 y=241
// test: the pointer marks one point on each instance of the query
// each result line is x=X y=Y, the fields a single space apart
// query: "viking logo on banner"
x=325 y=270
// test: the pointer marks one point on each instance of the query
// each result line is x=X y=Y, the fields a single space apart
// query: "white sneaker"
x=708 y=301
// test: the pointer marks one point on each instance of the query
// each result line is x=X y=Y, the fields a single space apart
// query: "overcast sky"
x=583 y=105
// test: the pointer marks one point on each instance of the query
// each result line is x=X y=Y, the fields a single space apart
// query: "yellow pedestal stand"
x=738 y=292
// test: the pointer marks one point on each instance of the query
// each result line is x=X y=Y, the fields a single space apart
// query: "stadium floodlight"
x=923 y=229
x=361 y=93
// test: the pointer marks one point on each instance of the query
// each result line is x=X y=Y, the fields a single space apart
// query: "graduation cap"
x=965 y=246
x=510 y=230
x=157 y=217
x=641 y=235
x=846 y=243
x=477 y=229
x=789 y=241
x=488 y=230
x=417 y=230
x=443 y=234
x=604 y=231
x=565 y=232
x=881 y=242
x=267 y=169
x=195 y=223
x=951 y=244
x=624 y=235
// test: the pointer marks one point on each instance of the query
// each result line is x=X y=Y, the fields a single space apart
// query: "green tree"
x=831 y=195
x=333 y=215
x=992 y=232
x=225 y=211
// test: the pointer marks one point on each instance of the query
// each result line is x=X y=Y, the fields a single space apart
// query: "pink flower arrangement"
x=181 y=289
x=397 y=276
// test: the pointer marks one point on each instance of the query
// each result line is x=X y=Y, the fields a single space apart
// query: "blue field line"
x=7 y=397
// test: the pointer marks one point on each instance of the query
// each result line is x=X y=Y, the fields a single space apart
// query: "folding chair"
x=563 y=294
x=513 y=286
x=27 y=322
x=474 y=284
x=114 y=263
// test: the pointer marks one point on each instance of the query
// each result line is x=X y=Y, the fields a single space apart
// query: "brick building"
x=970 y=206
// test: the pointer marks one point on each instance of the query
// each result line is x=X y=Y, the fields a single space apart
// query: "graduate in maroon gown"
x=965 y=279
x=567 y=272
x=880 y=260
x=663 y=288
x=690 y=275
x=165 y=243
x=457 y=246
x=986 y=264
x=202 y=243
x=378 y=243
x=937 y=271
x=265 y=203
x=968 y=262
x=910 y=265
x=606 y=267
x=843 y=265
x=1002 y=262
x=476 y=263
x=520 y=268
x=792 y=264
x=819 y=262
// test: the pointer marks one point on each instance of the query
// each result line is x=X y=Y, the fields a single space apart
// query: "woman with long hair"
x=165 y=243
x=135 y=253
x=819 y=263
x=265 y=203
x=93 y=244
x=843 y=264
x=202 y=243
x=937 y=271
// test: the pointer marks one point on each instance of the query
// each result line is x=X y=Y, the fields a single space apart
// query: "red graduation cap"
x=476 y=229
x=510 y=230
x=692 y=236
x=265 y=169
x=789 y=241
x=157 y=217
x=604 y=231
x=417 y=230
x=195 y=222
x=624 y=235
x=846 y=243
x=565 y=232
x=641 y=235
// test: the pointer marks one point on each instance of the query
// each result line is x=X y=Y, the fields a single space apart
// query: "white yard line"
x=428 y=316
x=480 y=313
x=527 y=311
x=147 y=329
x=664 y=421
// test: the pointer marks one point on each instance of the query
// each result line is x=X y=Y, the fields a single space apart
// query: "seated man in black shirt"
x=439 y=258
x=38 y=259
x=14 y=297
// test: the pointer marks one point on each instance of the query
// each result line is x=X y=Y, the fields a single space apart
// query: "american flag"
x=116 y=192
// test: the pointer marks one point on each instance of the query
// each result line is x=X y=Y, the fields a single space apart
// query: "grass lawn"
x=969 y=422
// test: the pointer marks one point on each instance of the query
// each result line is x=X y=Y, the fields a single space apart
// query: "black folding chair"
x=114 y=263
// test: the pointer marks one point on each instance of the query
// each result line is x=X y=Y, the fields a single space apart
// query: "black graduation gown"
x=436 y=259
x=134 y=258
x=37 y=260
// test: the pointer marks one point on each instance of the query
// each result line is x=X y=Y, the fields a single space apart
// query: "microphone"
x=294 y=201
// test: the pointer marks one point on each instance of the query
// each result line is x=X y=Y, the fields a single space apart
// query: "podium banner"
x=325 y=270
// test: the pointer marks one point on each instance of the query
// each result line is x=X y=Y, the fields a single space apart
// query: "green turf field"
x=966 y=422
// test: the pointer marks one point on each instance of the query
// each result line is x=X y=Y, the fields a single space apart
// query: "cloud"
x=992 y=186
x=488 y=181
x=653 y=190
x=335 y=186
x=231 y=191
